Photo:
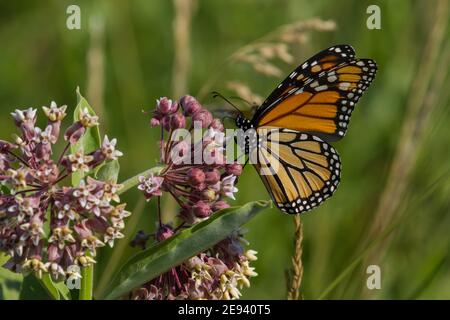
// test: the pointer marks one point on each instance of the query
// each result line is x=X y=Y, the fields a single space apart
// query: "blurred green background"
x=395 y=156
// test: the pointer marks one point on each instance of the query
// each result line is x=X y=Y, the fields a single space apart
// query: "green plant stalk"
x=87 y=283
x=133 y=181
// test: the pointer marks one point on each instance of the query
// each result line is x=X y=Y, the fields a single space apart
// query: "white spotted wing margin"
x=303 y=75
x=299 y=170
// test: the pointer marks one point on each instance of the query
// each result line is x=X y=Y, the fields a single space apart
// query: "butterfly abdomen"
x=246 y=136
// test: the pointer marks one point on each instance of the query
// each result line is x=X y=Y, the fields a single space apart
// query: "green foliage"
x=9 y=282
x=90 y=141
x=149 y=263
x=109 y=171
x=33 y=289
x=43 y=289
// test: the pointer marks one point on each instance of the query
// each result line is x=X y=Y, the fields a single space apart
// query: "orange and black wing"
x=319 y=63
x=324 y=103
x=299 y=170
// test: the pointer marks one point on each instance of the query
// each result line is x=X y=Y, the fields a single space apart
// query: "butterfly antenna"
x=242 y=99
x=217 y=94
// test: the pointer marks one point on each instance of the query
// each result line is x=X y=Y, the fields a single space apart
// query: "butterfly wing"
x=324 y=104
x=305 y=73
x=299 y=170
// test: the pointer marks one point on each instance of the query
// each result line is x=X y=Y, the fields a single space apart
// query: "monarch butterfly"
x=306 y=111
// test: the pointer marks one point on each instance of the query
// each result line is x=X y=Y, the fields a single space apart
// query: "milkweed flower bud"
x=154 y=122
x=219 y=205
x=177 y=121
x=234 y=169
x=77 y=130
x=196 y=176
x=204 y=117
x=212 y=177
x=217 y=125
x=166 y=106
x=166 y=123
x=202 y=209
x=189 y=105
x=164 y=232
x=74 y=132
x=25 y=120
x=209 y=194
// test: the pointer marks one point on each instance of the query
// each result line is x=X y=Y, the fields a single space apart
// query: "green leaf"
x=34 y=288
x=62 y=289
x=150 y=263
x=90 y=141
x=10 y=282
x=38 y=289
x=108 y=171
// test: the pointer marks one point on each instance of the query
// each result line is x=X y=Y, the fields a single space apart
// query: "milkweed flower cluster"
x=217 y=274
x=196 y=174
x=46 y=227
